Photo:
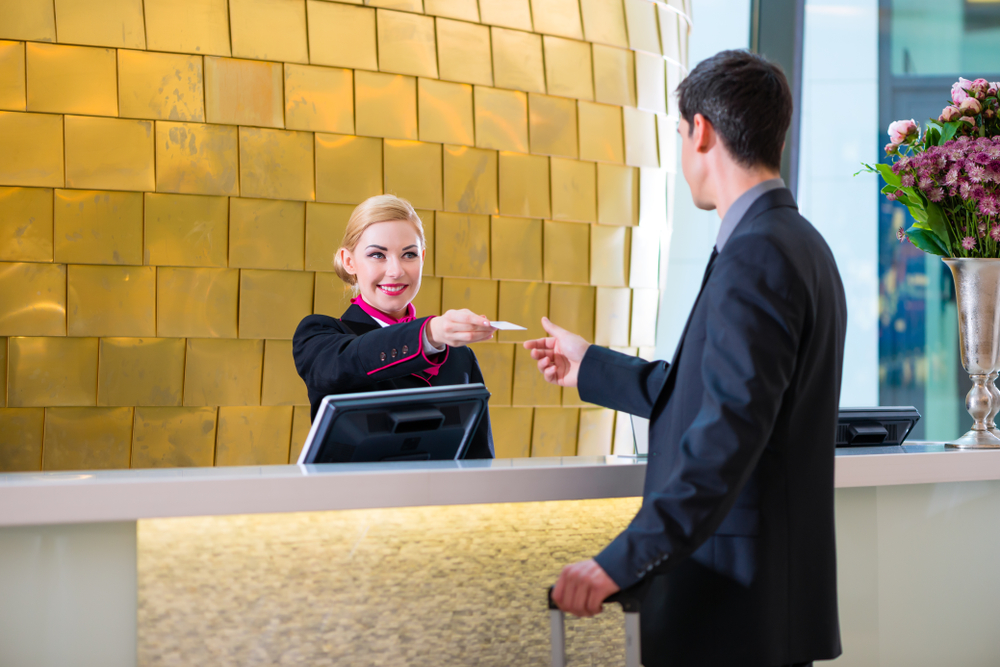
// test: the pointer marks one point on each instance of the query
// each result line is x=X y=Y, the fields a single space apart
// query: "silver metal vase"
x=977 y=289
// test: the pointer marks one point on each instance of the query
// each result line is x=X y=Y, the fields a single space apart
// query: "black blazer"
x=355 y=354
x=737 y=512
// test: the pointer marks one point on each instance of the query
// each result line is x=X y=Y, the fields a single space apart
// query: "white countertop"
x=125 y=495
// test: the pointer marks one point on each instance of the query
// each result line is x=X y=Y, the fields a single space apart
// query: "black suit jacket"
x=736 y=525
x=356 y=354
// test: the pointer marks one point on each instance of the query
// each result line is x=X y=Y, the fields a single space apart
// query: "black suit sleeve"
x=620 y=382
x=333 y=360
x=754 y=322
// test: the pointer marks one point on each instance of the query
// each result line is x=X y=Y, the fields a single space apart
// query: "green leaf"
x=917 y=210
x=937 y=222
x=926 y=241
x=950 y=128
x=889 y=189
x=887 y=175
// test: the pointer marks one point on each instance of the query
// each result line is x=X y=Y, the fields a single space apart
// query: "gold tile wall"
x=177 y=174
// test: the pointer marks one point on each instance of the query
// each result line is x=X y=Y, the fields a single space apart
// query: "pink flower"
x=950 y=113
x=908 y=180
x=892 y=196
x=891 y=149
x=960 y=90
x=936 y=194
x=900 y=234
x=971 y=107
x=901 y=130
x=968 y=243
x=971 y=120
x=995 y=233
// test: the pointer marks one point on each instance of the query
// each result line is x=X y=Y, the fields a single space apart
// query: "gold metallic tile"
x=385 y=105
x=25 y=224
x=571 y=398
x=111 y=300
x=428 y=299
x=640 y=138
x=348 y=169
x=524 y=185
x=470 y=180
x=342 y=36
x=604 y=22
x=402 y=5
x=266 y=234
x=516 y=249
x=186 y=230
x=617 y=195
x=644 y=307
x=32 y=299
x=554 y=432
x=87 y=438
x=507 y=13
x=445 y=112
x=282 y=384
x=651 y=79
x=188 y=26
x=12 y=92
x=51 y=371
x=164 y=86
x=319 y=99
x=497 y=364
x=644 y=262
x=109 y=153
x=464 y=52
x=98 y=227
x=597 y=427
x=552 y=125
x=465 y=10
x=613 y=311
x=568 y=70
x=501 y=119
x=196 y=302
x=269 y=30
x=671 y=27
x=223 y=372
x=557 y=17
x=21 y=439
x=140 y=371
x=462 y=245
x=517 y=60
x=173 y=437
x=333 y=295
x=530 y=387
x=253 y=436
x=300 y=431
x=197 y=159
x=272 y=303
x=523 y=303
x=640 y=19
x=243 y=92
x=427 y=220
x=567 y=252
x=406 y=43
x=572 y=308
x=3 y=374
x=479 y=296
x=28 y=19
x=325 y=227
x=614 y=75
x=33 y=149
x=511 y=431
x=276 y=164
x=601 y=136
x=114 y=23
x=574 y=190
x=413 y=172
x=609 y=254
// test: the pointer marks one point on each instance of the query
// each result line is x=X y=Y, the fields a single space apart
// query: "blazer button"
x=393 y=353
x=381 y=356
x=405 y=349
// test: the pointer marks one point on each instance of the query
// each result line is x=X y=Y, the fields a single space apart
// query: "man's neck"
x=733 y=182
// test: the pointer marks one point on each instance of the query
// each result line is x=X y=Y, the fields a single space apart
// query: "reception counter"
x=115 y=568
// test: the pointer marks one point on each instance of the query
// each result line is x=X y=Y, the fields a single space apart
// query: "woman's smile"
x=392 y=289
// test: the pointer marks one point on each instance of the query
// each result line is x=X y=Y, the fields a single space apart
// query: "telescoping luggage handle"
x=629 y=599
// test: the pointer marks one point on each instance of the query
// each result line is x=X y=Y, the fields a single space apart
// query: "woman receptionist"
x=379 y=343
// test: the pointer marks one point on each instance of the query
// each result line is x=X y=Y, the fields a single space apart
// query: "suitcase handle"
x=630 y=599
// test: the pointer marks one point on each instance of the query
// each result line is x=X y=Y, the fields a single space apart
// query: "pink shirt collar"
x=375 y=313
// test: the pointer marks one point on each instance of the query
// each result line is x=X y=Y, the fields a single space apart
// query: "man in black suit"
x=734 y=541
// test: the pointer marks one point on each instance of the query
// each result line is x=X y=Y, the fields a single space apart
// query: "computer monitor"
x=877 y=426
x=428 y=424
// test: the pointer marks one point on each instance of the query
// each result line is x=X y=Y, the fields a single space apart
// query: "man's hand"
x=457 y=328
x=582 y=587
x=558 y=356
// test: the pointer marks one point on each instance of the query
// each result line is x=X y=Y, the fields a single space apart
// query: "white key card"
x=507 y=326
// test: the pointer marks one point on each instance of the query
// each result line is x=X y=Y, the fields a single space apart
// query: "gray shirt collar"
x=740 y=208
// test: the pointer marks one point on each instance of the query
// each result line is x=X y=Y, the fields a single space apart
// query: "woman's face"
x=387 y=261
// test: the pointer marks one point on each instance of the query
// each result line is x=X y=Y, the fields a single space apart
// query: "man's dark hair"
x=747 y=99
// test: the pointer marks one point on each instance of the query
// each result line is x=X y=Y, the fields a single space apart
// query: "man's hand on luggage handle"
x=582 y=588
x=559 y=355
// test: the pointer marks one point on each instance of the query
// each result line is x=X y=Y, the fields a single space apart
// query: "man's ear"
x=704 y=134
